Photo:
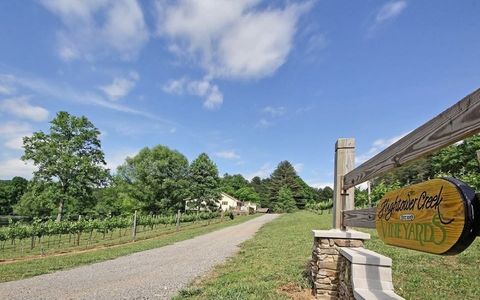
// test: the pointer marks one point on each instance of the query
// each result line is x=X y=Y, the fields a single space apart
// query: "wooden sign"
x=436 y=216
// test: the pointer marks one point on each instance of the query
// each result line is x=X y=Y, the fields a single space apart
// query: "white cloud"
x=15 y=143
x=211 y=94
x=231 y=154
x=316 y=42
x=117 y=158
x=67 y=54
x=94 y=27
x=15 y=167
x=231 y=39
x=298 y=167
x=13 y=133
x=6 y=84
x=66 y=93
x=20 y=107
x=320 y=184
x=263 y=123
x=377 y=146
x=175 y=86
x=120 y=87
x=390 y=10
x=14 y=128
x=264 y=171
x=274 y=111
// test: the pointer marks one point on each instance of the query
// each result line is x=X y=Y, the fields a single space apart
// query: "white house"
x=228 y=202
x=250 y=206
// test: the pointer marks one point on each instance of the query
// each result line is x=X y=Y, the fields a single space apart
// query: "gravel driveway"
x=154 y=274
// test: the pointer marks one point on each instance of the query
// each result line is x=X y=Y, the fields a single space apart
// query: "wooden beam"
x=344 y=163
x=454 y=124
x=360 y=218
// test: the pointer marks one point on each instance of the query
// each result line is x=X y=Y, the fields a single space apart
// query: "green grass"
x=29 y=268
x=418 y=275
x=274 y=261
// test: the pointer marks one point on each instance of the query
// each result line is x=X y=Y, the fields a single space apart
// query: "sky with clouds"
x=249 y=82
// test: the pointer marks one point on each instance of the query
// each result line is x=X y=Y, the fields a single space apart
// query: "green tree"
x=460 y=161
x=69 y=161
x=411 y=173
x=361 y=197
x=115 y=200
x=309 y=193
x=381 y=188
x=204 y=182
x=256 y=184
x=261 y=187
x=285 y=176
x=157 y=178
x=326 y=193
x=247 y=194
x=230 y=184
x=285 y=201
x=11 y=191
x=41 y=199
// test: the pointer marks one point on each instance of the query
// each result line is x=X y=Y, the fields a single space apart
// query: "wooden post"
x=79 y=233
x=134 y=230
x=178 y=219
x=478 y=156
x=369 y=190
x=344 y=163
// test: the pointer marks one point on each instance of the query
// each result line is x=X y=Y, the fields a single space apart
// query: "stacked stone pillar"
x=329 y=270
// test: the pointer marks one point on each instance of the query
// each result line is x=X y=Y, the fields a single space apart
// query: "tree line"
x=71 y=179
x=458 y=160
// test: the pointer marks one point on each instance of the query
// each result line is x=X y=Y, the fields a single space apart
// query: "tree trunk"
x=60 y=211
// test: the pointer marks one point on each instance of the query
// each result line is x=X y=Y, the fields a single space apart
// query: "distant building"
x=251 y=207
x=228 y=202
x=225 y=203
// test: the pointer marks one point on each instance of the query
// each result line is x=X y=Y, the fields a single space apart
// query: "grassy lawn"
x=418 y=275
x=268 y=266
x=272 y=266
x=29 y=268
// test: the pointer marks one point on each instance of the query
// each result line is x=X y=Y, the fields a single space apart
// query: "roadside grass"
x=28 y=268
x=418 y=275
x=272 y=266
x=269 y=266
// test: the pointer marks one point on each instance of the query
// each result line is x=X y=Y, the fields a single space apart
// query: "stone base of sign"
x=342 y=269
x=330 y=271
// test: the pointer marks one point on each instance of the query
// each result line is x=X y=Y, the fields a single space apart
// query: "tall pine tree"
x=285 y=176
x=285 y=202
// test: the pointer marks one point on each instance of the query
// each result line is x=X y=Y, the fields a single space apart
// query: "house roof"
x=231 y=197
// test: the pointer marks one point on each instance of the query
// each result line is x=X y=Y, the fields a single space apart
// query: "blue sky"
x=249 y=82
